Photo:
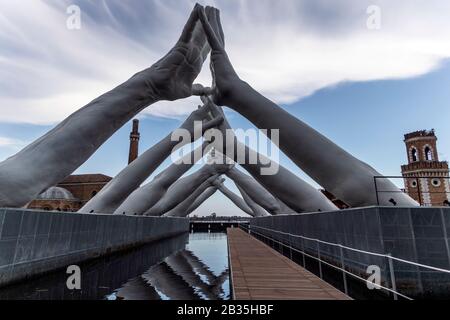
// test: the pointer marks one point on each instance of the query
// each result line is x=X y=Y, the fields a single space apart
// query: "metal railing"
x=236 y=219
x=415 y=188
x=342 y=267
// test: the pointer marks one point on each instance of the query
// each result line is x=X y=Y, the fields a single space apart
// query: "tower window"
x=428 y=154
x=436 y=183
x=414 y=155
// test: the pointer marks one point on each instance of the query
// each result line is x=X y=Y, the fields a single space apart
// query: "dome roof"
x=56 y=193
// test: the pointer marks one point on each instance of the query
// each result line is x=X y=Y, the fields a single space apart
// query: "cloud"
x=287 y=50
x=11 y=143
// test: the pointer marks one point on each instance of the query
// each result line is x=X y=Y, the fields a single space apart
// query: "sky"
x=363 y=88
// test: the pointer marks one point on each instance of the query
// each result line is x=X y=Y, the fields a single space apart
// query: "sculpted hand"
x=219 y=168
x=209 y=118
x=218 y=182
x=172 y=76
x=228 y=144
x=212 y=180
x=225 y=78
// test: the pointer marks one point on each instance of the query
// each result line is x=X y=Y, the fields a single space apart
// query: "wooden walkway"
x=260 y=273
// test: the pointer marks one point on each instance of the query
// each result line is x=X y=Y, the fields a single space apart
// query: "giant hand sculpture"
x=279 y=181
x=181 y=211
x=258 y=211
x=282 y=207
x=181 y=189
x=129 y=179
x=196 y=199
x=61 y=151
x=339 y=172
x=238 y=201
x=145 y=197
x=255 y=191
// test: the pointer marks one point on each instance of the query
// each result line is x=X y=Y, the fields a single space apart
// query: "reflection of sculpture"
x=177 y=277
x=137 y=289
x=335 y=169
x=168 y=283
x=129 y=179
x=57 y=154
x=182 y=268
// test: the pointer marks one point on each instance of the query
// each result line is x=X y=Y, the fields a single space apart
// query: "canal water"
x=187 y=267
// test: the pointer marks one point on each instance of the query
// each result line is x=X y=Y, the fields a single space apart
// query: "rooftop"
x=56 y=193
x=86 y=178
x=420 y=133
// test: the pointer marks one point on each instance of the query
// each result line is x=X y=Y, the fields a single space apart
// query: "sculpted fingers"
x=213 y=40
x=189 y=28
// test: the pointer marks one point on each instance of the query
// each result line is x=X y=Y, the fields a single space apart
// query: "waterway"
x=188 y=267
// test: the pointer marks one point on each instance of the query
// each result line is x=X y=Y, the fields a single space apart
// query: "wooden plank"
x=260 y=273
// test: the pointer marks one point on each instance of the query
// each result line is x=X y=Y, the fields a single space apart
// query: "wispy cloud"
x=9 y=143
x=287 y=49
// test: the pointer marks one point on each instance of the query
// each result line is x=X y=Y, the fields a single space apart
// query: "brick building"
x=55 y=199
x=426 y=178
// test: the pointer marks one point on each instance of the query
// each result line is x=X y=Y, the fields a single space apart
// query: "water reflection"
x=199 y=272
x=193 y=267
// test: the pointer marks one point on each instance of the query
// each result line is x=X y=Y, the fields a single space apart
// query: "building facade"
x=84 y=186
x=55 y=199
x=426 y=178
x=71 y=194
x=75 y=191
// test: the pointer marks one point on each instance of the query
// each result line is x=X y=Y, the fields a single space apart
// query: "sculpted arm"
x=145 y=197
x=54 y=156
x=197 y=197
x=208 y=193
x=129 y=179
x=279 y=181
x=257 y=210
x=252 y=188
x=184 y=187
x=347 y=177
x=238 y=201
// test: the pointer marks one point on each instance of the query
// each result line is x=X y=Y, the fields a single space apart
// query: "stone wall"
x=35 y=242
x=416 y=234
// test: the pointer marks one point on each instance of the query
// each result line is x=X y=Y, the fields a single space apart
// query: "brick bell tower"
x=426 y=178
x=134 y=142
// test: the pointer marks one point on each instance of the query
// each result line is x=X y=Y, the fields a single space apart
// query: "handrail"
x=360 y=251
x=329 y=264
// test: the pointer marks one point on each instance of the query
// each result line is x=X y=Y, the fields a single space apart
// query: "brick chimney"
x=134 y=142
